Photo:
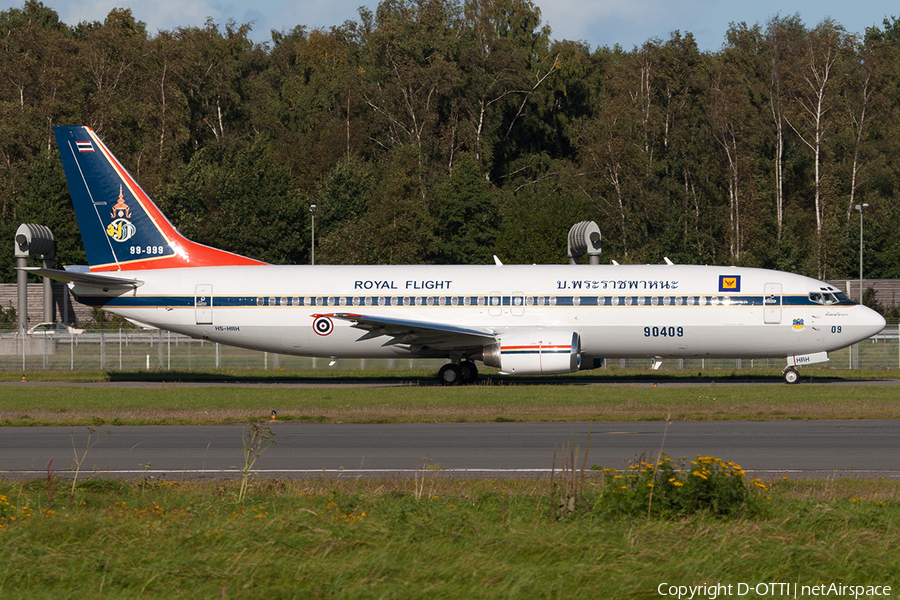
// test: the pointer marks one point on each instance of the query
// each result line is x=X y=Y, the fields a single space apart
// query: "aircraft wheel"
x=791 y=375
x=450 y=374
x=468 y=370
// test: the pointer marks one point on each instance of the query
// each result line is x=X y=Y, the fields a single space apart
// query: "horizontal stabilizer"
x=94 y=279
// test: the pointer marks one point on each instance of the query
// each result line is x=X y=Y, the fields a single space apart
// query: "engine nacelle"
x=537 y=352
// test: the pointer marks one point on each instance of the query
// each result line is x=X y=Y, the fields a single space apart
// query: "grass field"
x=432 y=536
x=427 y=538
x=232 y=398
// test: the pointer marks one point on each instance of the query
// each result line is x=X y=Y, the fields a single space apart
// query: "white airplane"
x=523 y=319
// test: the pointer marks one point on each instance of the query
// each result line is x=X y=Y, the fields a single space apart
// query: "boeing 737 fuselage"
x=523 y=319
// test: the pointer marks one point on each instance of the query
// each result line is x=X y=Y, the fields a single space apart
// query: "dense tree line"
x=446 y=131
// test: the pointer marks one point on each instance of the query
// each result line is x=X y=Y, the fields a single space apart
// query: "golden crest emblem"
x=120 y=209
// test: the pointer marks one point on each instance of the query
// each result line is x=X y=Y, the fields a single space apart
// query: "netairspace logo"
x=776 y=590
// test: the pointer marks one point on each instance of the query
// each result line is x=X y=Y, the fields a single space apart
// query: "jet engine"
x=537 y=352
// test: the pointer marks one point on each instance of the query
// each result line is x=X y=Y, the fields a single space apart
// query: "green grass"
x=184 y=404
x=426 y=538
x=428 y=375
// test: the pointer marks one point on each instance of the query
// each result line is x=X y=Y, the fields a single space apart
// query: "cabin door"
x=772 y=303
x=203 y=303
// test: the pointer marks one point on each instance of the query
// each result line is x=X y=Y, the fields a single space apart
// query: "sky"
x=628 y=23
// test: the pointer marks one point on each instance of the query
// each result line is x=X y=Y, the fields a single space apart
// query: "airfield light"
x=861 y=208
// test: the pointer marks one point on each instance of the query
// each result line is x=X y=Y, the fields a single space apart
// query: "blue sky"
x=598 y=22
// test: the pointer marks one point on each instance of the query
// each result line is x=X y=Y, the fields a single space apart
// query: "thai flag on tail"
x=84 y=146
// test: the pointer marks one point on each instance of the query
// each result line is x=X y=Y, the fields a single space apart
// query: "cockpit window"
x=843 y=298
x=829 y=298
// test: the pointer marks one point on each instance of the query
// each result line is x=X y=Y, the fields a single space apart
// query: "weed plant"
x=666 y=487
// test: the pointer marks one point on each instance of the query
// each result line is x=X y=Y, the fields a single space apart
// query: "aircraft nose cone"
x=870 y=321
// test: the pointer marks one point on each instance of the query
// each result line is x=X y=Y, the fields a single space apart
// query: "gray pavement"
x=863 y=448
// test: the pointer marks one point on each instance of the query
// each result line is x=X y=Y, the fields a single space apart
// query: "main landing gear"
x=457 y=373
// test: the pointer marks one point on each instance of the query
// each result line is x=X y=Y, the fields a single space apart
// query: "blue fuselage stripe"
x=515 y=302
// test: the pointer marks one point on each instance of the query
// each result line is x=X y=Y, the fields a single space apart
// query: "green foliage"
x=8 y=316
x=466 y=215
x=233 y=197
x=664 y=487
x=450 y=130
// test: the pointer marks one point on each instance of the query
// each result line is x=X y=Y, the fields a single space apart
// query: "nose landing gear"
x=791 y=375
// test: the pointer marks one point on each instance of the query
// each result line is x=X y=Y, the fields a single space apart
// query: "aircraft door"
x=772 y=303
x=203 y=303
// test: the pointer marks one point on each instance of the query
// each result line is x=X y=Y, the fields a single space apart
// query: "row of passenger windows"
x=493 y=301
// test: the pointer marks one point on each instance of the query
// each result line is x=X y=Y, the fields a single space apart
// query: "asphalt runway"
x=856 y=448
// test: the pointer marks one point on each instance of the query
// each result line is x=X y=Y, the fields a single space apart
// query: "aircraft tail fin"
x=122 y=229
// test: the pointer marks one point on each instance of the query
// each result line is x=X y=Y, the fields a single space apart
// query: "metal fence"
x=134 y=350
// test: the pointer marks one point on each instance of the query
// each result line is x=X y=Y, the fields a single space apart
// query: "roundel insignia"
x=323 y=325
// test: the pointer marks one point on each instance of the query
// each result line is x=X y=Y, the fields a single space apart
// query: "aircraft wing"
x=92 y=279
x=419 y=333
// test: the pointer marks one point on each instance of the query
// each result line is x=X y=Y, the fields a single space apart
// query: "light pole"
x=312 y=244
x=861 y=208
